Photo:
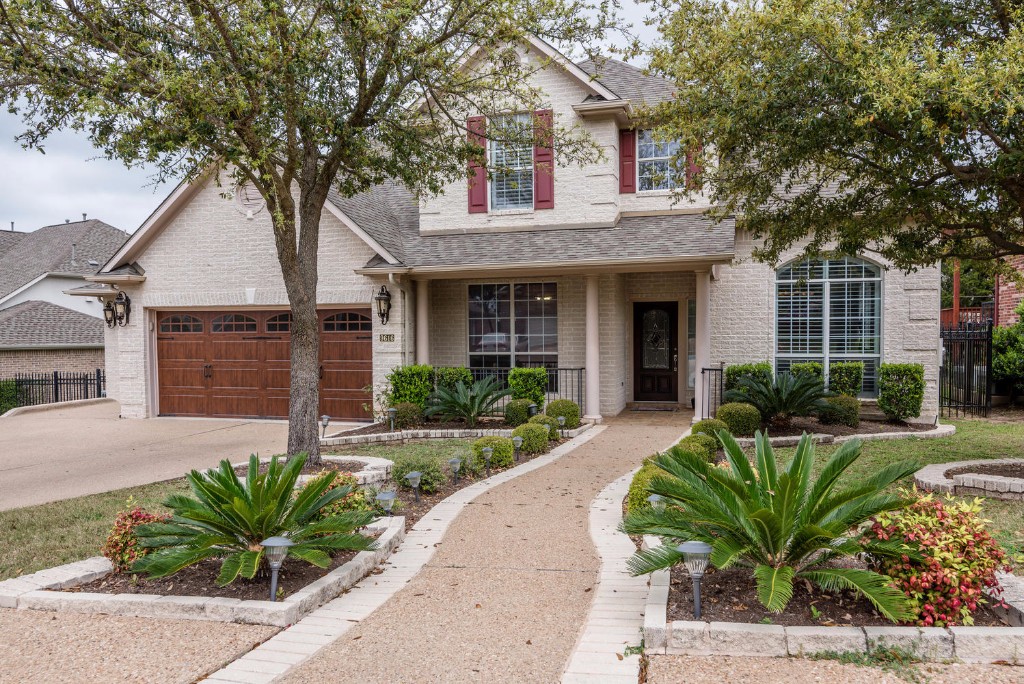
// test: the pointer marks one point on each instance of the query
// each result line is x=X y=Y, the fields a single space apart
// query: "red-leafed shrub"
x=122 y=545
x=959 y=558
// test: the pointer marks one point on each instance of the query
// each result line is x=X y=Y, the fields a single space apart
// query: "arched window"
x=233 y=323
x=279 y=323
x=829 y=311
x=347 y=321
x=181 y=323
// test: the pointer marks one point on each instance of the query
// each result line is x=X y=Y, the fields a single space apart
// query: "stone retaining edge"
x=933 y=477
x=38 y=590
x=339 y=439
x=944 y=430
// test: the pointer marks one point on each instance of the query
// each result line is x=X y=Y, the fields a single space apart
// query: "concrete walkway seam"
x=282 y=653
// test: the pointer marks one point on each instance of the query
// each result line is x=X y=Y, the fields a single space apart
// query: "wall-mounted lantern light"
x=108 y=314
x=383 y=301
x=118 y=310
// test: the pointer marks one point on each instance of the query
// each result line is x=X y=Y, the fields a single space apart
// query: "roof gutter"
x=622 y=110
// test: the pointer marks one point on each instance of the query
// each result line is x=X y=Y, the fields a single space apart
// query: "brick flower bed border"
x=940 y=431
x=339 y=439
x=933 y=478
x=41 y=590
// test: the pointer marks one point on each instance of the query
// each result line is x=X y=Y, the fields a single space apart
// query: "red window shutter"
x=543 y=161
x=477 y=126
x=627 y=161
x=693 y=168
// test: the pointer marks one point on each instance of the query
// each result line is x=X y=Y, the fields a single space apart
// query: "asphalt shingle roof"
x=49 y=250
x=42 y=324
x=9 y=238
x=627 y=81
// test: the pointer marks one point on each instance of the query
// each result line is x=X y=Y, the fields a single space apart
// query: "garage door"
x=235 y=364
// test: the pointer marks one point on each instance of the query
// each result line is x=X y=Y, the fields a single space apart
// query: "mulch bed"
x=798 y=426
x=1005 y=470
x=731 y=596
x=340 y=466
x=385 y=426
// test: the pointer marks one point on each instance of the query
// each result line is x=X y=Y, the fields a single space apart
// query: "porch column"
x=422 y=321
x=702 y=339
x=592 y=410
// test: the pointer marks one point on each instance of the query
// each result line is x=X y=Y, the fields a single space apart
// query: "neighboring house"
x=1008 y=295
x=587 y=268
x=42 y=329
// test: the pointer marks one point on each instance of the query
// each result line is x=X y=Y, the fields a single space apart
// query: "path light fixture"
x=325 y=420
x=383 y=301
x=488 y=453
x=657 y=502
x=414 y=481
x=392 y=413
x=276 y=549
x=386 y=500
x=561 y=425
x=695 y=559
x=531 y=410
x=517 y=444
x=454 y=464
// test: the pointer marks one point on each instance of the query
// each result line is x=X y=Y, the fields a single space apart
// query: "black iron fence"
x=563 y=383
x=713 y=383
x=965 y=376
x=32 y=389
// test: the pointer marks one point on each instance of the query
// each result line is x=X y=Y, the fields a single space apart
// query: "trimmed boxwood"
x=901 y=390
x=708 y=426
x=503 y=451
x=535 y=437
x=407 y=415
x=548 y=421
x=517 y=411
x=529 y=383
x=762 y=369
x=449 y=378
x=812 y=368
x=433 y=478
x=569 y=409
x=840 y=410
x=701 y=444
x=636 y=499
x=846 y=377
x=740 y=419
x=412 y=384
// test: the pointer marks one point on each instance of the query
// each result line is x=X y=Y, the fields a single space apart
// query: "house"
x=592 y=269
x=42 y=329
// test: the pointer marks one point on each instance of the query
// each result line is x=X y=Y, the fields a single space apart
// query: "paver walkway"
x=506 y=595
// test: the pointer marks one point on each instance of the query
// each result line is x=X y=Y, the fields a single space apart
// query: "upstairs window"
x=512 y=163
x=654 y=163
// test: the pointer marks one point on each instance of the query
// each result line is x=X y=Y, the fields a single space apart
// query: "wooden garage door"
x=235 y=364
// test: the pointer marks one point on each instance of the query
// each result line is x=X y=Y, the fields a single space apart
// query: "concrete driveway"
x=62 y=453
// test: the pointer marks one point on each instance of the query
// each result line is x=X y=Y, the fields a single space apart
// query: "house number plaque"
x=387 y=337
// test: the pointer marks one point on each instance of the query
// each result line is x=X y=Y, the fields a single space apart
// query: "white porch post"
x=702 y=339
x=592 y=410
x=422 y=321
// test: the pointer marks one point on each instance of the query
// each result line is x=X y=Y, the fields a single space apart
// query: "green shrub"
x=840 y=410
x=503 y=451
x=636 y=500
x=846 y=377
x=700 y=444
x=900 y=390
x=708 y=426
x=740 y=418
x=466 y=403
x=550 y=422
x=448 y=378
x=569 y=409
x=433 y=469
x=517 y=412
x=535 y=437
x=529 y=383
x=777 y=520
x=8 y=396
x=407 y=415
x=412 y=384
x=733 y=374
x=780 y=399
x=122 y=547
x=1007 y=355
x=812 y=368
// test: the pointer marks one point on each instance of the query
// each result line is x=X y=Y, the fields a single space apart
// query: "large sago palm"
x=779 y=523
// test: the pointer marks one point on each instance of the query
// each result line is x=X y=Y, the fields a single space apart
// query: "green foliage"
x=841 y=409
x=976 y=283
x=636 y=499
x=550 y=422
x=408 y=415
x=701 y=444
x=535 y=437
x=849 y=124
x=410 y=384
x=958 y=558
x=783 y=524
x=740 y=418
x=448 y=378
x=122 y=547
x=357 y=498
x=733 y=374
x=780 y=399
x=807 y=368
x=1007 y=355
x=567 y=408
x=517 y=411
x=432 y=467
x=846 y=377
x=900 y=390
x=529 y=383
x=8 y=396
x=466 y=403
x=708 y=426
x=227 y=518
x=503 y=451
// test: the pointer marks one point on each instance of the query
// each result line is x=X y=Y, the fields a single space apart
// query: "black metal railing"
x=965 y=376
x=713 y=387
x=563 y=383
x=32 y=389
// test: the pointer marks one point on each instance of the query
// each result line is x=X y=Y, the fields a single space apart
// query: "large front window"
x=828 y=311
x=512 y=163
x=654 y=162
x=513 y=325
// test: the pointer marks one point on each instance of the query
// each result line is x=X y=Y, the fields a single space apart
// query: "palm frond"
x=889 y=601
x=774 y=586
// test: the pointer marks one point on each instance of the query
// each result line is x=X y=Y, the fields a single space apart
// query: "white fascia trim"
x=570 y=66
x=21 y=289
x=363 y=235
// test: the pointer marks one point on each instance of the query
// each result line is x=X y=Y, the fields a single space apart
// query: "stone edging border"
x=52 y=406
x=940 y=431
x=293 y=646
x=339 y=439
x=37 y=591
x=933 y=478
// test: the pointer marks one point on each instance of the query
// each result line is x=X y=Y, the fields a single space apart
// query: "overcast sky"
x=71 y=178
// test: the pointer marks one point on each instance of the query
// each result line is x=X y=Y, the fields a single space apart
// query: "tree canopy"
x=873 y=125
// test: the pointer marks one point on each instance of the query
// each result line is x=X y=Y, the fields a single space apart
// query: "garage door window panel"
x=347 y=322
x=181 y=324
x=233 y=323
x=280 y=323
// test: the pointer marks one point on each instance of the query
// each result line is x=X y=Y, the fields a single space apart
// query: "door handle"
x=321 y=372
x=675 y=362
x=208 y=371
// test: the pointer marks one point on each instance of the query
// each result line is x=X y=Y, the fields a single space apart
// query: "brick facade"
x=49 y=360
x=1009 y=295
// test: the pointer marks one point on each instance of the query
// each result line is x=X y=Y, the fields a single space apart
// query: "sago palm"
x=781 y=398
x=781 y=524
x=228 y=518
x=467 y=403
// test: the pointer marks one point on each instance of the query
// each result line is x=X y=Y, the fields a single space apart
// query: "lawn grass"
x=433 y=448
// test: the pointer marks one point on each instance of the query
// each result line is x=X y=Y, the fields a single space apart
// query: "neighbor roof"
x=49 y=250
x=9 y=238
x=627 y=81
x=36 y=324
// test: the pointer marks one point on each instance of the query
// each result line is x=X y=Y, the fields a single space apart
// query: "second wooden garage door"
x=235 y=364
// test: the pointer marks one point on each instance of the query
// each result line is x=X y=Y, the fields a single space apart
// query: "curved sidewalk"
x=506 y=596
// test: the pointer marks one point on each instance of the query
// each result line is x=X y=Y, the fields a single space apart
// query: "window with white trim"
x=513 y=325
x=511 y=162
x=828 y=311
x=654 y=162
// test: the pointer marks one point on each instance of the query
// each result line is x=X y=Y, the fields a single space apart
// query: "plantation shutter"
x=477 y=126
x=627 y=161
x=543 y=161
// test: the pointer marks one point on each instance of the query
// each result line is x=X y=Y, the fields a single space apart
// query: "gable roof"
x=627 y=81
x=36 y=324
x=65 y=248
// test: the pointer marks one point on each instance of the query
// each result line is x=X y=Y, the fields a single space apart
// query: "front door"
x=656 y=351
